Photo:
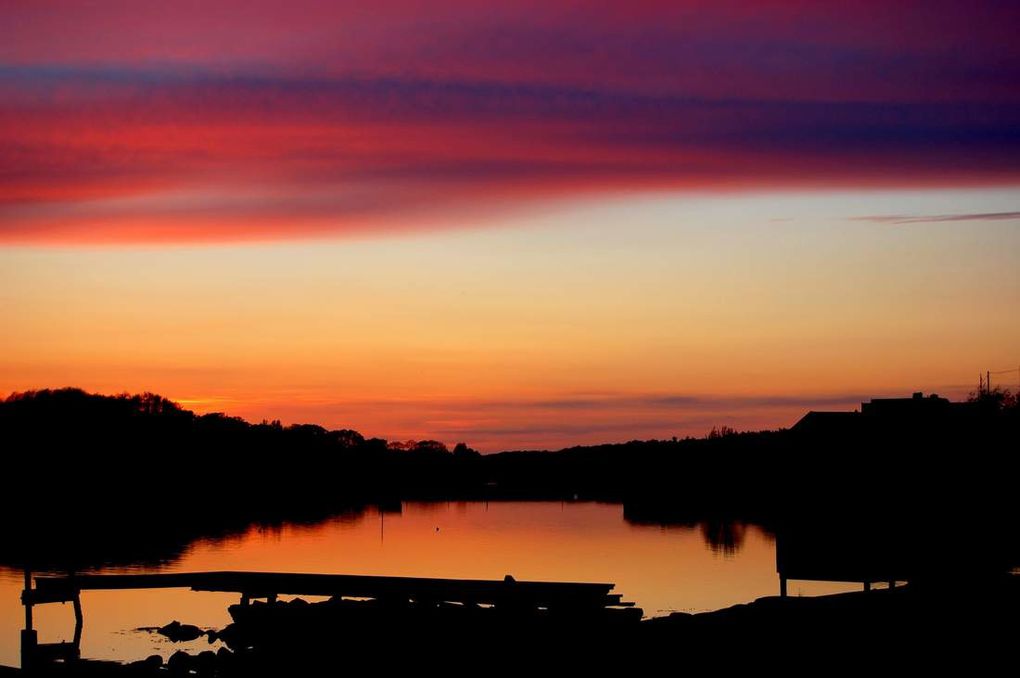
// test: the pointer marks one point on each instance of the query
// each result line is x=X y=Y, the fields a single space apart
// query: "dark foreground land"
x=966 y=624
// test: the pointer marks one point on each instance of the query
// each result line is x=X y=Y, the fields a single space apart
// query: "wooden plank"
x=262 y=584
x=57 y=594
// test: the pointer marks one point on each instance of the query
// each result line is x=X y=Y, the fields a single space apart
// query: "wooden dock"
x=269 y=585
x=563 y=599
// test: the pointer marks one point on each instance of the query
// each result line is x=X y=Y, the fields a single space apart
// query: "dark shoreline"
x=896 y=625
x=136 y=478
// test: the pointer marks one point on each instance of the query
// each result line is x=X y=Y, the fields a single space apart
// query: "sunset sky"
x=519 y=225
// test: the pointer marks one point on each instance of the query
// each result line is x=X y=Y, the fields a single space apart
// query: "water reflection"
x=724 y=536
x=659 y=566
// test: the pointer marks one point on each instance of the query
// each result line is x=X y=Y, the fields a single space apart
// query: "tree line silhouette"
x=92 y=469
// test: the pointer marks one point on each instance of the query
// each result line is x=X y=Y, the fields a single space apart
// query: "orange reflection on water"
x=661 y=569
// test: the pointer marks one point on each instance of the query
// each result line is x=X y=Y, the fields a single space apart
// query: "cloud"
x=897 y=219
x=554 y=422
x=686 y=401
x=266 y=120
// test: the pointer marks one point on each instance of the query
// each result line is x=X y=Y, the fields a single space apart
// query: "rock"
x=230 y=634
x=177 y=632
x=205 y=663
x=225 y=660
x=149 y=665
x=180 y=662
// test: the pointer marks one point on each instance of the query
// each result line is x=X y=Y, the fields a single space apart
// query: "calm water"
x=661 y=569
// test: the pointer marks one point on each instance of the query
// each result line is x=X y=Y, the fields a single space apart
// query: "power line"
x=987 y=385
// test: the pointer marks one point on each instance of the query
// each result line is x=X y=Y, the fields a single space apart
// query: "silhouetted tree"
x=720 y=432
x=430 y=447
x=462 y=451
x=998 y=399
x=347 y=438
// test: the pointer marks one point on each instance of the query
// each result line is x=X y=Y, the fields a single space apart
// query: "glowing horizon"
x=563 y=330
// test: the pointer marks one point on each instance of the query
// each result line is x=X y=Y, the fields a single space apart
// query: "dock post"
x=782 y=586
x=29 y=636
x=79 y=620
x=29 y=643
x=28 y=605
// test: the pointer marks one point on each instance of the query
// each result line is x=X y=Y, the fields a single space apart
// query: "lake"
x=662 y=569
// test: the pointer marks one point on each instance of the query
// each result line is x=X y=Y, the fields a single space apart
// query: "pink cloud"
x=227 y=120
